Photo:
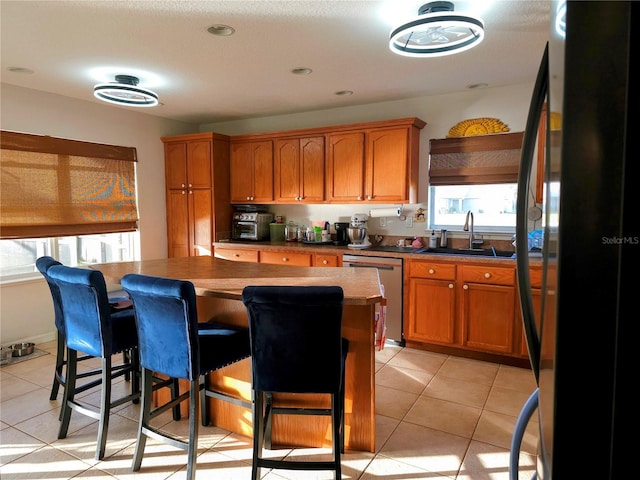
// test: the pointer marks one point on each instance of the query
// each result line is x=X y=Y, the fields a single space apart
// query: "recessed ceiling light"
x=20 y=70
x=125 y=91
x=301 y=71
x=344 y=93
x=221 y=30
x=477 y=85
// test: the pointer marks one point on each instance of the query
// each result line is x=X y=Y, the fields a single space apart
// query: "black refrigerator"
x=579 y=332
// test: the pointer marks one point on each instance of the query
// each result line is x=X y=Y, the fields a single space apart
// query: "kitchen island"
x=219 y=284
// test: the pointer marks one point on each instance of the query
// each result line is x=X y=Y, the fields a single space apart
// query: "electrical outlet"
x=383 y=221
x=409 y=221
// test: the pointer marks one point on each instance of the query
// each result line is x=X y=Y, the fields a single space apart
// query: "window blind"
x=53 y=187
x=477 y=160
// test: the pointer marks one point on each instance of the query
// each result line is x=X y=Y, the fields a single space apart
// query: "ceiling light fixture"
x=437 y=31
x=221 y=30
x=301 y=71
x=125 y=91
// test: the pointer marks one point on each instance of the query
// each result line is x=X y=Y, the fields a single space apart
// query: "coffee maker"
x=342 y=237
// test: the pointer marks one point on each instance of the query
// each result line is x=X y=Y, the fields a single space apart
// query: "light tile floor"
x=437 y=417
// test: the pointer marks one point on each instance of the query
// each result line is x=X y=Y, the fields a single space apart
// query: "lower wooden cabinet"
x=431 y=303
x=462 y=305
x=488 y=304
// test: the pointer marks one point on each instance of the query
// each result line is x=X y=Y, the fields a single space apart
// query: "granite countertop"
x=226 y=279
x=392 y=251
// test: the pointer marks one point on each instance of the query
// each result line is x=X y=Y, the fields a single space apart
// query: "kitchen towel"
x=385 y=212
x=381 y=325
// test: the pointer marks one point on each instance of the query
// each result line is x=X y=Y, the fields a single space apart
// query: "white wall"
x=26 y=313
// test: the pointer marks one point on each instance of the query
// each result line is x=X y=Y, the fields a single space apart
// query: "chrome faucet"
x=466 y=227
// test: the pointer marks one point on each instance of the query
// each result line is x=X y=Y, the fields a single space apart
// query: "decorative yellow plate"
x=477 y=126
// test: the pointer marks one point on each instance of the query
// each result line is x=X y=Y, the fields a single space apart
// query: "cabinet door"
x=286 y=170
x=488 y=317
x=345 y=167
x=387 y=165
x=312 y=168
x=200 y=226
x=263 y=171
x=178 y=223
x=199 y=164
x=252 y=172
x=431 y=316
x=241 y=172
x=175 y=165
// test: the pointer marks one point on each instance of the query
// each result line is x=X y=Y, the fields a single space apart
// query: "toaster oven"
x=251 y=225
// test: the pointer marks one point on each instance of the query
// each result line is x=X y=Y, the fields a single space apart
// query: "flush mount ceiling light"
x=125 y=91
x=437 y=31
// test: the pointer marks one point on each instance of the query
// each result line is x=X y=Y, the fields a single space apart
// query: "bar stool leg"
x=105 y=407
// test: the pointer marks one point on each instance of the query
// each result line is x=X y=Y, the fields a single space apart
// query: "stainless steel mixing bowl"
x=357 y=235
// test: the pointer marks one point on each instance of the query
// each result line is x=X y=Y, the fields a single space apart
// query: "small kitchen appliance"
x=357 y=231
x=342 y=237
x=251 y=225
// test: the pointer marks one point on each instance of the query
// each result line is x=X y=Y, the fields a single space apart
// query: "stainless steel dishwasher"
x=390 y=273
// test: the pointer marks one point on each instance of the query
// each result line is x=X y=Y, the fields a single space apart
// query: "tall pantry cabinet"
x=197 y=192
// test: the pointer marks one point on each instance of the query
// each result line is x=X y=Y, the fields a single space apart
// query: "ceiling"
x=71 y=45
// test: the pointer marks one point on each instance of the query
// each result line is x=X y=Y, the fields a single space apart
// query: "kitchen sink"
x=483 y=252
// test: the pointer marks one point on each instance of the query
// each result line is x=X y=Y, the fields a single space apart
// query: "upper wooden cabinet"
x=251 y=171
x=298 y=169
x=374 y=164
x=197 y=192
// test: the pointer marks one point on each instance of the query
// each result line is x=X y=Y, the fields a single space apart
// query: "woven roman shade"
x=482 y=159
x=53 y=187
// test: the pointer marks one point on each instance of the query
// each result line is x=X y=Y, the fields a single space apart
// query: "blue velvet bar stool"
x=173 y=343
x=91 y=328
x=42 y=264
x=296 y=347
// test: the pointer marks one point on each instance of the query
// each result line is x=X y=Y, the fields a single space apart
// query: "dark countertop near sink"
x=392 y=251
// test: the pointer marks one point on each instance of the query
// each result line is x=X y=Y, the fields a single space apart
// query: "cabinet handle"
x=191 y=185
x=487 y=275
x=182 y=185
x=285 y=259
x=369 y=197
x=190 y=192
x=451 y=285
x=432 y=271
x=465 y=287
x=237 y=255
x=324 y=262
x=359 y=197
x=183 y=192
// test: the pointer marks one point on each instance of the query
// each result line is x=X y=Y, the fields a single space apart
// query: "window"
x=72 y=200
x=477 y=173
x=493 y=206
x=18 y=257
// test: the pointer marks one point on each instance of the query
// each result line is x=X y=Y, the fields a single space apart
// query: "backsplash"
x=390 y=228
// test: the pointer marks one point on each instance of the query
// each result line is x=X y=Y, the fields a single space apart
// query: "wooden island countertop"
x=219 y=284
